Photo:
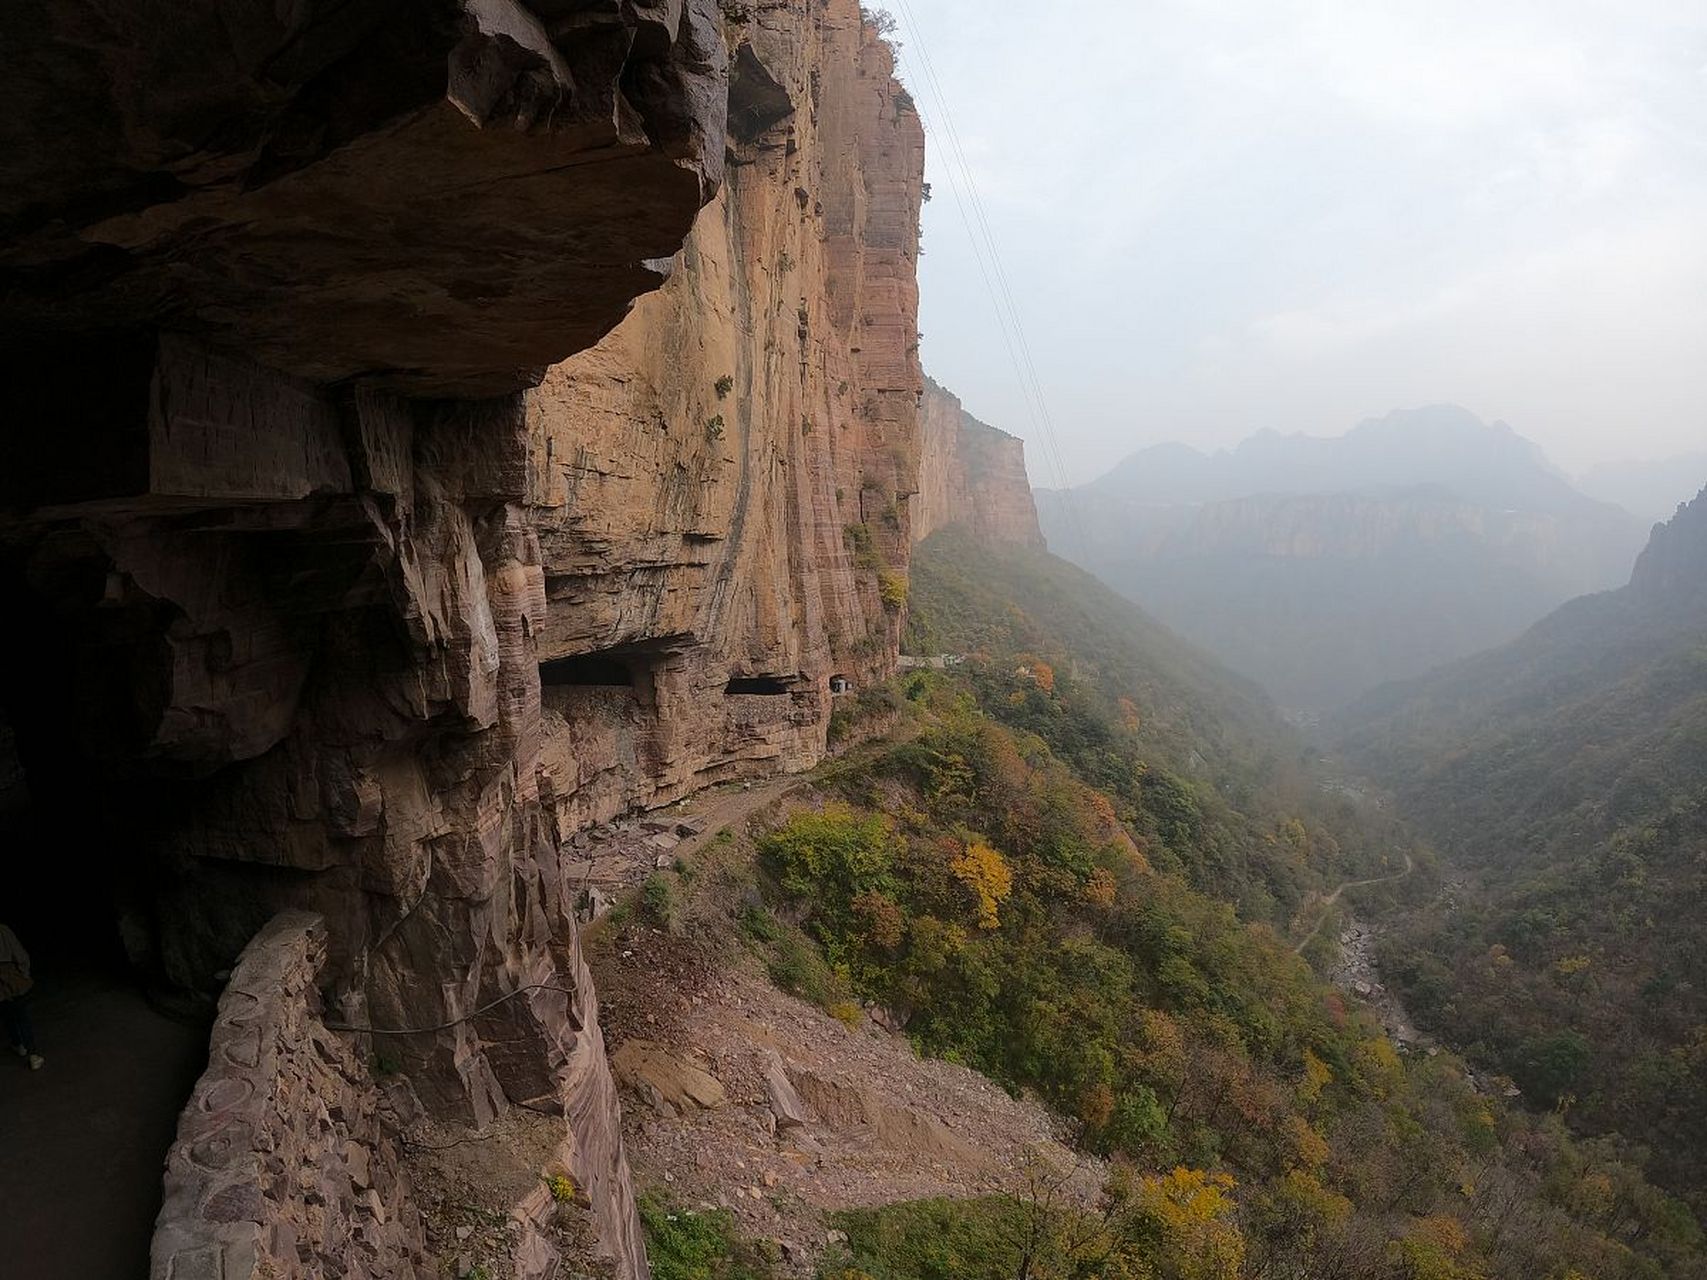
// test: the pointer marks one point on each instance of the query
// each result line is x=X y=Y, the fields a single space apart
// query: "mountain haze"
x=1325 y=566
x=1439 y=444
x=1652 y=489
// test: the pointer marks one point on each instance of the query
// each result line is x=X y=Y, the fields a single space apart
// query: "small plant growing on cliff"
x=857 y=539
x=891 y=589
x=723 y=386
x=784 y=263
x=881 y=20
x=562 y=1188
x=848 y=1013
x=714 y=427
x=806 y=426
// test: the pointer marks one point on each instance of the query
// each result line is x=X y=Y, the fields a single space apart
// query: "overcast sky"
x=1223 y=215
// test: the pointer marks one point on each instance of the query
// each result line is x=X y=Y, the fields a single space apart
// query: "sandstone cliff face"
x=721 y=486
x=970 y=473
x=293 y=618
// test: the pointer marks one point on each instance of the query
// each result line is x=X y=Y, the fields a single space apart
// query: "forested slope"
x=1145 y=716
x=1072 y=867
x=1567 y=772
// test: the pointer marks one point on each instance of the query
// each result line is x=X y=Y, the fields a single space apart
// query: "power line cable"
x=446 y=1026
x=995 y=276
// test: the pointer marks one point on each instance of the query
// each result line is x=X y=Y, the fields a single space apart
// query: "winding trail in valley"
x=1328 y=902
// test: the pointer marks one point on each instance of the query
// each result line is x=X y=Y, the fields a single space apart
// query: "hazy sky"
x=1223 y=215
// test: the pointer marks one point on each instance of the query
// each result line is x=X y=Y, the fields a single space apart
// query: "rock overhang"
x=440 y=198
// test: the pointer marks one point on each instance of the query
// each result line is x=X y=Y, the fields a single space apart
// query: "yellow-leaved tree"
x=986 y=873
x=1194 y=1210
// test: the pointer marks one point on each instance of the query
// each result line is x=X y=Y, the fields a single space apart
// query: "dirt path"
x=1328 y=902
x=722 y=810
x=615 y=857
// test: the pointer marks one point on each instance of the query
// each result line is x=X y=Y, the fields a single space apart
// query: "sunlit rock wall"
x=721 y=487
x=970 y=473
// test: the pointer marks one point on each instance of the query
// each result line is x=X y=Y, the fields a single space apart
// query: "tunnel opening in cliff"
x=77 y=832
x=588 y=670
x=757 y=99
x=122 y=1049
x=761 y=686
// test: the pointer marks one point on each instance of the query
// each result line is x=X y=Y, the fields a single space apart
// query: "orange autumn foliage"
x=1100 y=889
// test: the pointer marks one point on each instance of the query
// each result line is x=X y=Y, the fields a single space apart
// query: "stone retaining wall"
x=282 y=1166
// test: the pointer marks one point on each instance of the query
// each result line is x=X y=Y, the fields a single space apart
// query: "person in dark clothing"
x=15 y=984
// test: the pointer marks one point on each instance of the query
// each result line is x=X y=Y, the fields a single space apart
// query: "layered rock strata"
x=722 y=487
x=283 y=1165
x=329 y=613
x=970 y=473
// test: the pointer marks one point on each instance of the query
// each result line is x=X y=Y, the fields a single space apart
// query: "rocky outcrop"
x=669 y=1084
x=1673 y=566
x=970 y=473
x=299 y=652
x=283 y=1165
x=328 y=613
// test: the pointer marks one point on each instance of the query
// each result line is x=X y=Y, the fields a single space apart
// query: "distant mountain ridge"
x=1587 y=643
x=1440 y=445
x=1325 y=566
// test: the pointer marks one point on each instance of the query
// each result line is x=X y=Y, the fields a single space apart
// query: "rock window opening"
x=590 y=669
x=767 y=686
